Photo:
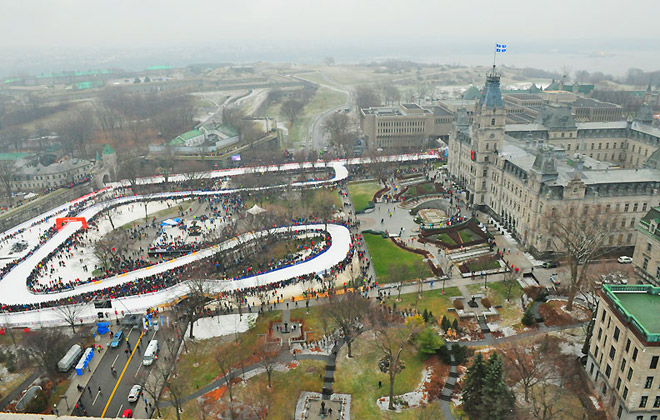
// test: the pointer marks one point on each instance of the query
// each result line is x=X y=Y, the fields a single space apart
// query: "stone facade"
x=623 y=359
x=524 y=173
x=646 y=258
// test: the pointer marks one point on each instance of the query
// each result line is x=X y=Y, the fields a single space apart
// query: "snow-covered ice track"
x=13 y=289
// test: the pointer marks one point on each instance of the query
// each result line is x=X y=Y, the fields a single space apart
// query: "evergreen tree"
x=425 y=315
x=445 y=323
x=473 y=388
x=528 y=317
x=498 y=399
x=454 y=325
x=429 y=342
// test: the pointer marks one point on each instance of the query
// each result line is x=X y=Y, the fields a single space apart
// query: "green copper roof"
x=108 y=150
x=161 y=67
x=190 y=134
x=472 y=93
x=13 y=156
x=639 y=305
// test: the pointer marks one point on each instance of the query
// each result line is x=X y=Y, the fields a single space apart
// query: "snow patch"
x=414 y=398
x=222 y=325
x=507 y=331
x=595 y=402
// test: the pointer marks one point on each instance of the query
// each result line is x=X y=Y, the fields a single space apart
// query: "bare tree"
x=70 y=314
x=46 y=346
x=581 y=237
x=391 y=341
x=268 y=354
x=195 y=300
x=153 y=383
x=291 y=109
x=15 y=136
x=106 y=252
x=336 y=125
x=524 y=365
x=391 y=94
x=77 y=130
x=347 y=313
x=366 y=97
x=227 y=358
x=8 y=171
x=166 y=163
x=176 y=390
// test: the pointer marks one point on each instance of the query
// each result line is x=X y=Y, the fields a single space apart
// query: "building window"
x=643 y=401
x=626 y=208
x=654 y=362
x=630 y=373
x=623 y=364
x=635 y=206
x=591 y=370
x=608 y=371
x=625 y=392
x=645 y=263
x=618 y=413
x=616 y=333
x=612 y=352
x=634 y=357
x=492 y=121
x=649 y=382
x=648 y=247
x=618 y=383
x=596 y=352
x=656 y=404
x=602 y=317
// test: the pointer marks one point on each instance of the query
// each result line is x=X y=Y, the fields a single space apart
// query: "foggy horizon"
x=73 y=34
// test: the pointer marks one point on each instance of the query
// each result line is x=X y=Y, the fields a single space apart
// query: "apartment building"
x=624 y=352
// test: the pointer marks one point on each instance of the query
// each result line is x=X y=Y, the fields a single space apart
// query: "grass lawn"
x=361 y=194
x=208 y=371
x=286 y=388
x=443 y=237
x=431 y=300
x=420 y=189
x=384 y=254
x=466 y=235
x=323 y=100
x=482 y=264
x=359 y=377
x=510 y=312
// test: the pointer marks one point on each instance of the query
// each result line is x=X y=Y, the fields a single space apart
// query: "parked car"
x=135 y=393
x=624 y=259
x=554 y=279
x=116 y=339
x=127 y=414
x=550 y=264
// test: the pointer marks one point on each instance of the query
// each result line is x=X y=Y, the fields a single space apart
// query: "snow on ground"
x=121 y=215
x=507 y=331
x=570 y=348
x=222 y=325
x=14 y=291
x=414 y=398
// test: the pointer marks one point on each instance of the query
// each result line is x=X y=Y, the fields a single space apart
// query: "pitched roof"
x=108 y=150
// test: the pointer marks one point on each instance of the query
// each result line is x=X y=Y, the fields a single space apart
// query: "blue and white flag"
x=500 y=48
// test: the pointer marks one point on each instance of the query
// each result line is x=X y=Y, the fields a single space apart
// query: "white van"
x=151 y=353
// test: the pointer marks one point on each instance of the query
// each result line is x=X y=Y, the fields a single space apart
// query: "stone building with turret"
x=525 y=173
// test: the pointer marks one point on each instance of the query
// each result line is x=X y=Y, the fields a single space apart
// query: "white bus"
x=151 y=353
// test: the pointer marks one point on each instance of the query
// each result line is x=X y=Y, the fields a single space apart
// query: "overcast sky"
x=48 y=35
x=121 y=23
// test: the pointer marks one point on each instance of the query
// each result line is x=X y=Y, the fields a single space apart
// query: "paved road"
x=112 y=400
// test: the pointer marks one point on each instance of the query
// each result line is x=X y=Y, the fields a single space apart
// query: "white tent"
x=256 y=210
x=170 y=222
